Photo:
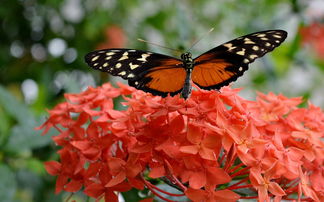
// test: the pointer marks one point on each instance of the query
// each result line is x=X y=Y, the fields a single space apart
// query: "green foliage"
x=21 y=137
x=132 y=195
x=8 y=184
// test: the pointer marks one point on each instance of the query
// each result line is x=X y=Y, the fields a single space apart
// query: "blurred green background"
x=42 y=44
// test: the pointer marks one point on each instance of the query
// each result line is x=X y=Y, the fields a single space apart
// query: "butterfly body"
x=188 y=64
x=162 y=75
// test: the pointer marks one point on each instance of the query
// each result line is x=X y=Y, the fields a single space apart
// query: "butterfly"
x=162 y=75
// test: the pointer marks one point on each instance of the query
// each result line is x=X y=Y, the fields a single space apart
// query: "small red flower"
x=264 y=184
x=98 y=188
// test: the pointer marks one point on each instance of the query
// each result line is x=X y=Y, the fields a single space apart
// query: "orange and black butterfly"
x=162 y=75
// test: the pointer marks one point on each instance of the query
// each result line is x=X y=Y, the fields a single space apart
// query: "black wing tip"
x=283 y=32
x=87 y=57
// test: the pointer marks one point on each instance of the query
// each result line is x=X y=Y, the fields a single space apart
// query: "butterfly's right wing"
x=151 y=72
x=225 y=63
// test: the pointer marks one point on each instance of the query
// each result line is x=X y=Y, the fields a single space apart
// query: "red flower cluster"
x=215 y=146
x=314 y=35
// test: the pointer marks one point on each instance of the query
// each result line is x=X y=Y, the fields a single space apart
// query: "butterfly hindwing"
x=144 y=70
x=225 y=63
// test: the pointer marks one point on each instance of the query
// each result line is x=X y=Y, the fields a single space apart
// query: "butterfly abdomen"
x=186 y=91
x=188 y=64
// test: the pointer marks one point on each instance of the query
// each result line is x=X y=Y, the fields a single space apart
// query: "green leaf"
x=158 y=20
x=29 y=180
x=131 y=195
x=35 y=165
x=320 y=64
x=24 y=137
x=8 y=184
x=4 y=126
x=16 y=109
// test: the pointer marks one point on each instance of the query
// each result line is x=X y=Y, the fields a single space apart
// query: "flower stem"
x=240 y=172
x=239 y=182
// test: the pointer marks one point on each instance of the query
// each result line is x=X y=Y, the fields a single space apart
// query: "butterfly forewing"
x=225 y=63
x=147 y=71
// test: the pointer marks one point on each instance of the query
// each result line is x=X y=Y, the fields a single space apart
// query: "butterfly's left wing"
x=225 y=63
x=151 y=72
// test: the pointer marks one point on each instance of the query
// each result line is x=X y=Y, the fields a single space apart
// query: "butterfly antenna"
x=203 y=36
x=142 y=40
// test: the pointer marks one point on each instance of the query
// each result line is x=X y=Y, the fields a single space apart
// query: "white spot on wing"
x=264 y=38
x=123 y=73
x=130 y=76
x=95 y=58
x=118 y=65
x=110 y=53
x=248 y=41
x=242 y=52
x=241 y=69
x=253 y=56
x=108 y=58
x=105 y=64
x=246 y=61
x=124 y=57
x=255 y=48
x=229 y=46
x=143 y=58
x=132 y=67
x=276 y=36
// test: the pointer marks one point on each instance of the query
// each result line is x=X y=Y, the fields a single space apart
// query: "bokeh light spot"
x=29 y=89
x=57 y=47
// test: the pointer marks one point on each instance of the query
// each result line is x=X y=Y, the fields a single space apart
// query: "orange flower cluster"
x=215 y=146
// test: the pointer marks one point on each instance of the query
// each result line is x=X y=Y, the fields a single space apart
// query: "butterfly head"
x=186 y=57
x=187 y=60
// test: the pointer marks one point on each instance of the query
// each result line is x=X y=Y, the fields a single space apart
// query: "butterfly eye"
x=186 y=56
